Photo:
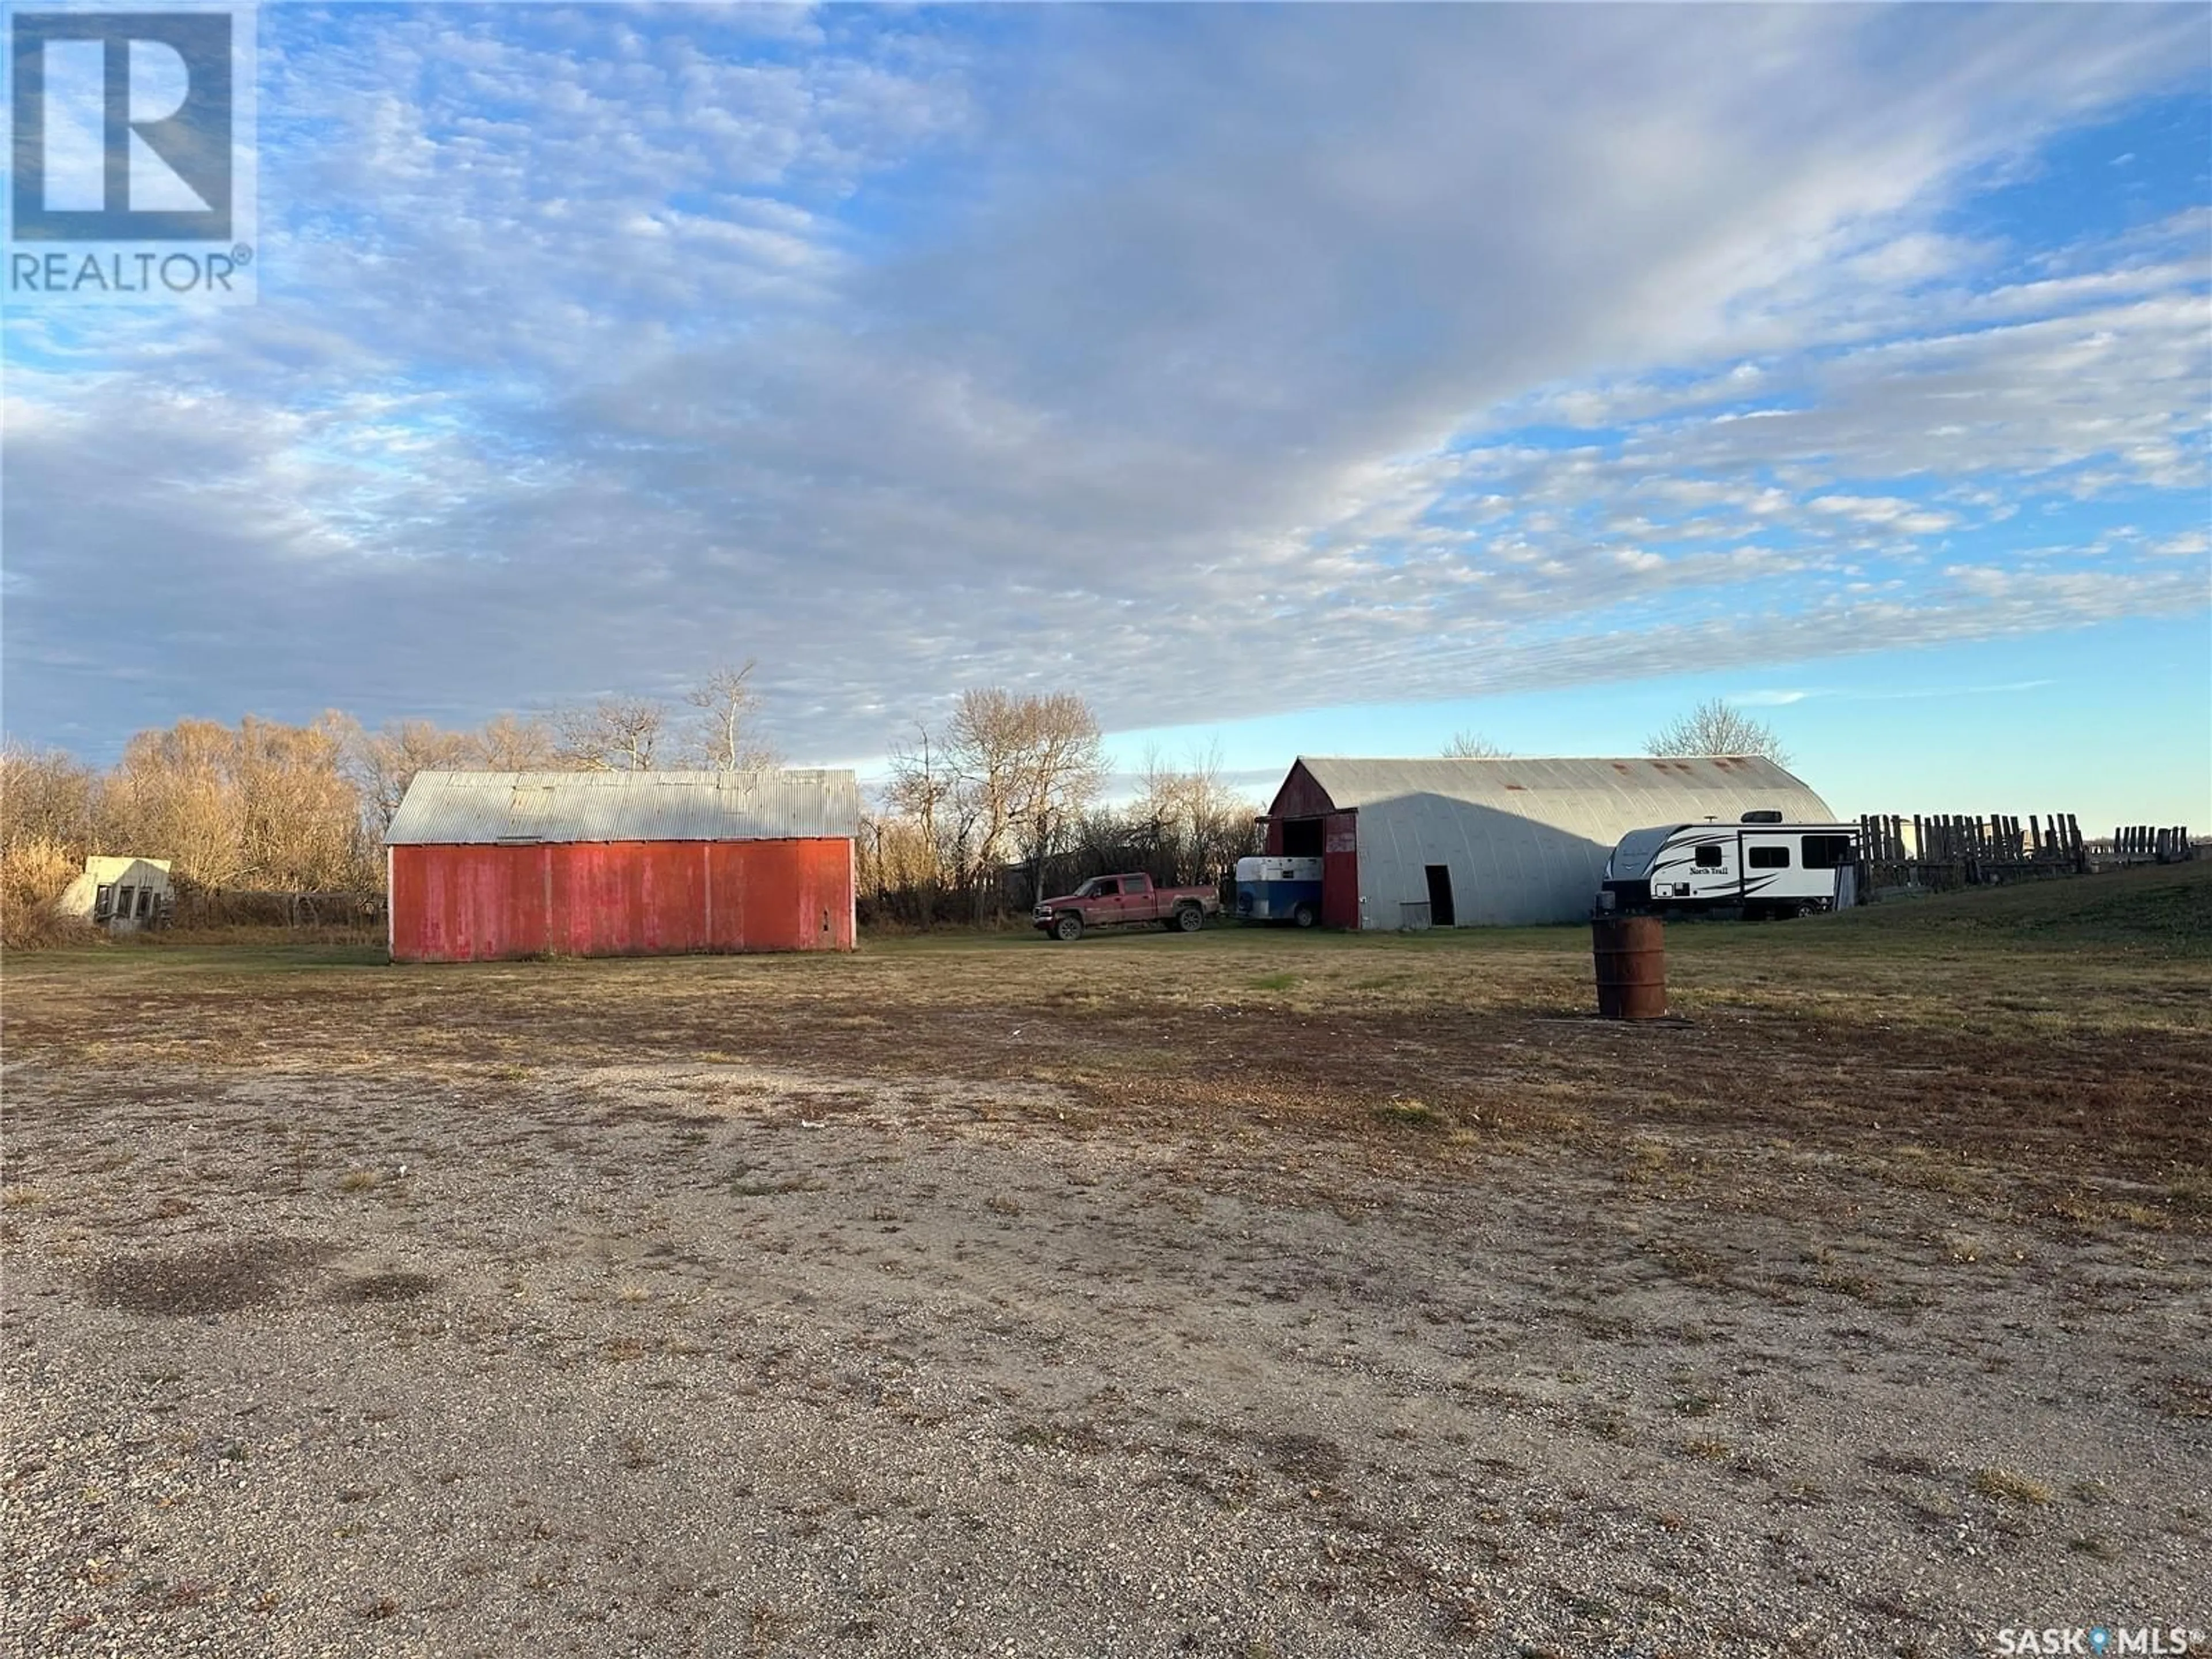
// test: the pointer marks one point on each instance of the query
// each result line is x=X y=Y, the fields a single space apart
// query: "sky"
x=1318 y=379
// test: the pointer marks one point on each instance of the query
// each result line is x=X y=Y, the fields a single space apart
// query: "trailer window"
x=1827 y=852
x=1768 y=858
x=1709 y=858
x=103 y=902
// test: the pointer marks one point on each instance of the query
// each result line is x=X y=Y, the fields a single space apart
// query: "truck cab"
x=1121 y=900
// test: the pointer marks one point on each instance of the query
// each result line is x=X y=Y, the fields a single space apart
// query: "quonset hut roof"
x=1575 y=792
x=462 y=809
x=1526 y=839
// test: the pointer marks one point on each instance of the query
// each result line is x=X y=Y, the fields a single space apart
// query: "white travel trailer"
x=1761 y=866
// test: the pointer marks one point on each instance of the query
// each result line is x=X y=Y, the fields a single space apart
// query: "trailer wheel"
x=1068 y=926
x=1806 y=907
x=1302 y=916
x=1189 y=918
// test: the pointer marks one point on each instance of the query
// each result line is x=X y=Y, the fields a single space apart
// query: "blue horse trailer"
x=1279 y=889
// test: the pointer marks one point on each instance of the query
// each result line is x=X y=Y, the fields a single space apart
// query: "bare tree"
x=1473 y=745
x=1715 y=727
x=172 y=796
x=518 y=742
x=1059 y=775
x=1196 y=826
x=299 y=814
x=385 y=762
x=615 y=734
x=724 y=735
x=48 y=799
x=1022 y=767
x=921 y=790
x=46 y=794
x=263 y=805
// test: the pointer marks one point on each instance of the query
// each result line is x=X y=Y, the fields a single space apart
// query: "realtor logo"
x=131 y=153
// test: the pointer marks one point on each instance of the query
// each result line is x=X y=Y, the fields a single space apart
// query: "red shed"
x=487 y=865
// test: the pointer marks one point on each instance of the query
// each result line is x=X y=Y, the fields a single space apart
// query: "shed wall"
x=1340 y=869
x=620 y=898
x=1301 y=796
x=1505 y=870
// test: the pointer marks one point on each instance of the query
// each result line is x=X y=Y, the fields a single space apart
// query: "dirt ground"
x=1250 y=1294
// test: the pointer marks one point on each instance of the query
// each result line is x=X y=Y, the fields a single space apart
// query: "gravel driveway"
x=723 y=1359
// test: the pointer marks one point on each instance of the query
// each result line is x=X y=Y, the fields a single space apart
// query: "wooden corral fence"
x=1943 y=850
x=2148 y=843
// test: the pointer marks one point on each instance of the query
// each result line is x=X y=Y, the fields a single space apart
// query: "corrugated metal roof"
x=1526 y=839
x=1511 y=781
x=460 y=809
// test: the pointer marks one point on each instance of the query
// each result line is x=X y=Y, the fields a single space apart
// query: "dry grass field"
x=1251 y=1293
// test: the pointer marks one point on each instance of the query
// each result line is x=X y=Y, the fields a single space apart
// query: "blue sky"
x=1316 y=379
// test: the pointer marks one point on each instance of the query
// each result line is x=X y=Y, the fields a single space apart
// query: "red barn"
x=488 y=864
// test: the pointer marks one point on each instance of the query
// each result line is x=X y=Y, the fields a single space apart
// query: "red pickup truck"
x=1117 y=901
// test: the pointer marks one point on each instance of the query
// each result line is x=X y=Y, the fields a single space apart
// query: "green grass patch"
x=1409 y=1114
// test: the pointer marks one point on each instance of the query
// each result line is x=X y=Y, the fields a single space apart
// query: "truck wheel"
x=1067 y=927
x=1189 y=918
x=1302 y=916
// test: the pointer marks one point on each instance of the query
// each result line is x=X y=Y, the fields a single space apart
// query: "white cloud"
x=1179 y=357
x=1885 y=513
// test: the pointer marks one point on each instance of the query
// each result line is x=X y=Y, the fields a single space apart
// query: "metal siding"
x=466 y=903
x=747 y=900
x=1341 y=899
x=476 y=808
x=784 y=895
x=480 y=903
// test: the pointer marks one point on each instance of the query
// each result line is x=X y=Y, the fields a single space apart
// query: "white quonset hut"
x=1472 y=842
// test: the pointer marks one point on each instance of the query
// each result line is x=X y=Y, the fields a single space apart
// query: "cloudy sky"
x=1320 y=378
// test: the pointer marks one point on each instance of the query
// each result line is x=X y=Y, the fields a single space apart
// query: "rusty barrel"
x=1631 y=966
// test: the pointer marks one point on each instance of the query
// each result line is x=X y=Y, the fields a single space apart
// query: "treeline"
x=1004 y=798
x=260 y=804
x=1002 y=805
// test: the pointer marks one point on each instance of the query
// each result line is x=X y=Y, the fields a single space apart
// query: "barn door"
x=1440 y=896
